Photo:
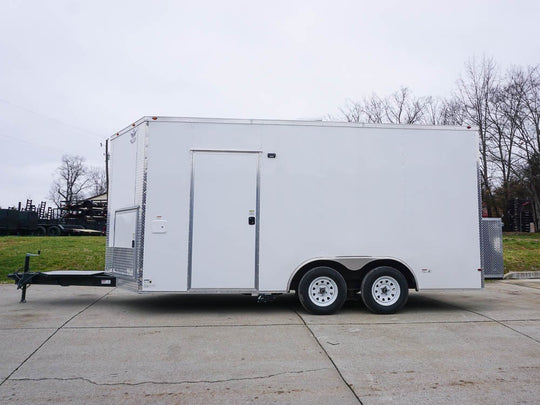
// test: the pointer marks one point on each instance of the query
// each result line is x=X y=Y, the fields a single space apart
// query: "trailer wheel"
x=54 y=231
x=40 y=231
x=384 y=290
x=322 y=291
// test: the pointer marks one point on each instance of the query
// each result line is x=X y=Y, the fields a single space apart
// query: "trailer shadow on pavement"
x=160 y=303
x=189 y=303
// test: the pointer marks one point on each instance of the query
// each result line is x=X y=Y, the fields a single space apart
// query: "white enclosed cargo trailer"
x=328 y=210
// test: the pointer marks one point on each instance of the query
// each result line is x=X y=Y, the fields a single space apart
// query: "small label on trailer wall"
x=271 y=156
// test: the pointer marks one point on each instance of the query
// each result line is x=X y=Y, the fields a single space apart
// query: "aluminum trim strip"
x=221 y=290
x=142 y=211
x=480 y=233
x=135 y=207
x=225 y=150
x=190 y=232
x=257 y=220
x=311 y=123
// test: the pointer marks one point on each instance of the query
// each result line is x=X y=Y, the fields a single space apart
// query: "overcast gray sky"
x=74 y=72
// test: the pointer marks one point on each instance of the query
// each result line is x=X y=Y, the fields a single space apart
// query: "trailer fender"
x=355 y=267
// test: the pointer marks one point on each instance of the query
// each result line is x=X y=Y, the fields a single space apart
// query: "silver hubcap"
x=386 y=291
x=323 y=291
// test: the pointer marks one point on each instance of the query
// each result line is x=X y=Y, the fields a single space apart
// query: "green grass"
x=521 y=252
x=57 y=253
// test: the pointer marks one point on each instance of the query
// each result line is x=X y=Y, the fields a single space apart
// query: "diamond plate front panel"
x=492 y=248
x=121 y=261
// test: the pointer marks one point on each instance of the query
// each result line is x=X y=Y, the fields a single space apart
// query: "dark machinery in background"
x=518 y=216
x=87 y=217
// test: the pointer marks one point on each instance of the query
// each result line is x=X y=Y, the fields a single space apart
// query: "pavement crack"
x=248 y=325
x=219 y=381
x=52 y=334
x=490 y=319
x=232 y=325
x=349 y=386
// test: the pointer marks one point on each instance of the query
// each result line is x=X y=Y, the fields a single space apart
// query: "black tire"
x=54 y=231
x=384 y=290
x=40 y=231
x=322 y=291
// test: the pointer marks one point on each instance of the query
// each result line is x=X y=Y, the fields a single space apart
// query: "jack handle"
x=26 y=269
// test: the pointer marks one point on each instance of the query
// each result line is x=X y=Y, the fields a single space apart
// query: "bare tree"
x=440 y=111
x=475 y=90
x=352 y=112
x=432 y=110
x=374 y=109
x=526 y=83
x=504 y=118
x=97 y=181
x=400 y=107
x=370 y=110
x=71 y=181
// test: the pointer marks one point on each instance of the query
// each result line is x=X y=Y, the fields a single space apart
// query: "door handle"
x=251 y=220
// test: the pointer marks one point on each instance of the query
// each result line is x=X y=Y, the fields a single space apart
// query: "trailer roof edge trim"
x=238 y=121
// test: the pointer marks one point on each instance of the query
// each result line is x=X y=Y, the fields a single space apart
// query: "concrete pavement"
x=84 y=344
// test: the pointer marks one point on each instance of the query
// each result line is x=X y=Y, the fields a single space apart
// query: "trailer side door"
x=224 y=220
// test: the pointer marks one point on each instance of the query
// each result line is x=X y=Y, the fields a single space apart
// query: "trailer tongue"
x=60 y=277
